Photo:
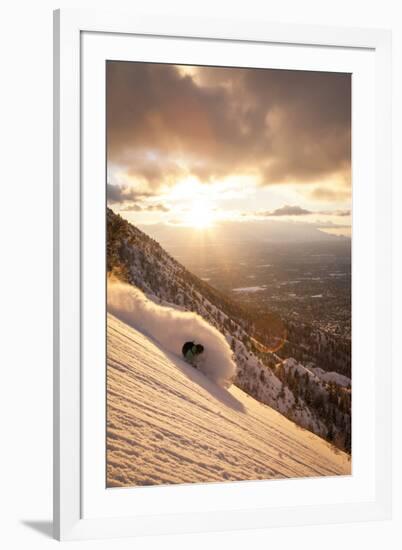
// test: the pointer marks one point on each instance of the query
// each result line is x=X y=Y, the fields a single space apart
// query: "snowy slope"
x=335 y=377
x=168 y=423
x=135 y=258
x=317 y=374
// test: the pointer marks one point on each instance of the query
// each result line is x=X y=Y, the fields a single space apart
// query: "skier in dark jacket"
x=191 y=351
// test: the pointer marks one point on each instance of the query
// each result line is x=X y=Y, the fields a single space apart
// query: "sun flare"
x=200 y=216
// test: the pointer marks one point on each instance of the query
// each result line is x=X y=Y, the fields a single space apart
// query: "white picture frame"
x=83 y=508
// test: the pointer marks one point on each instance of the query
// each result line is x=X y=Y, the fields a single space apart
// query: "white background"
x=26 y=272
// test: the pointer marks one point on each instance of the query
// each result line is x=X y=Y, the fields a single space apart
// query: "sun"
x=200 y=216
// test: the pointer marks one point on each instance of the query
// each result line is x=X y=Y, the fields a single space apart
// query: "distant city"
x=302 y=282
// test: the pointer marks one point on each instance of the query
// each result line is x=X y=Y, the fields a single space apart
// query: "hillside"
x=310 y=400
x=168 y=423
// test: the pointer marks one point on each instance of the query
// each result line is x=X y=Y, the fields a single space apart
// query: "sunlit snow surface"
x=168 y=423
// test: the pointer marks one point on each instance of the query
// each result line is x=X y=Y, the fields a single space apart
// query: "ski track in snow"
x=167 y=423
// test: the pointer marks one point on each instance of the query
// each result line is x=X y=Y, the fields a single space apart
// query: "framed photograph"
x=222 y=275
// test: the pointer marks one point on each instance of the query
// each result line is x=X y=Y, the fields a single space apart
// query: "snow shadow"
x=220 y=394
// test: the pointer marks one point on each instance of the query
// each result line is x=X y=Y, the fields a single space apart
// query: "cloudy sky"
x=197 y=146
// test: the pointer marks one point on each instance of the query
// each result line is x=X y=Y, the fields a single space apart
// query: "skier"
x=191 y=351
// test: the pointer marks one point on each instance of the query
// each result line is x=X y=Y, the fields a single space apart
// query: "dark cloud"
x=134 y=207
x=280 y=126
x=131 y=208
x=157 y=207
x=123 y=193
x=131 y=200
x=340 y=213
x=288 y=210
